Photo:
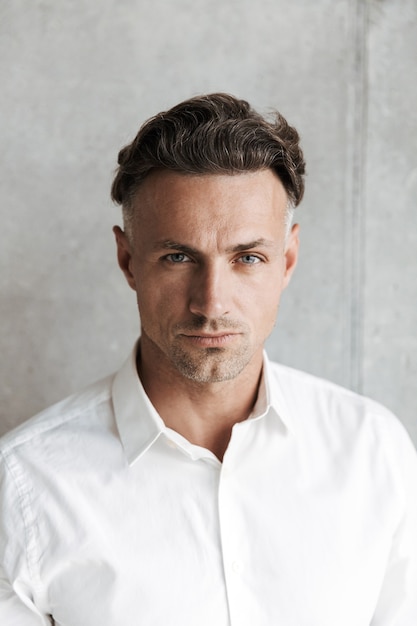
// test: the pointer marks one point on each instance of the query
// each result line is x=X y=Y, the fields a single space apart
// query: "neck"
x=203 y=413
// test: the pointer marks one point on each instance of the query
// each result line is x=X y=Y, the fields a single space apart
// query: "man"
x=202 y=484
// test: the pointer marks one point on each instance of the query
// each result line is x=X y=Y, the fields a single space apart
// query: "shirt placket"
x=234 y=537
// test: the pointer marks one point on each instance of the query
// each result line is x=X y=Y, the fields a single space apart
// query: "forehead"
x=208 y=204
x=166 y=188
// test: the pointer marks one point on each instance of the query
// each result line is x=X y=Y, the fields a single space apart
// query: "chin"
x=212 y=366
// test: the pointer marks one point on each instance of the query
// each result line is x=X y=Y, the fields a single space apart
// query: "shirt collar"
x=271 y=388
x=138 y=422
x=140 y=425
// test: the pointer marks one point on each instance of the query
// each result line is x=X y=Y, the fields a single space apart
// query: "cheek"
x=269 y=308
x=159 y=298
x=265 y=308
x=264 y=293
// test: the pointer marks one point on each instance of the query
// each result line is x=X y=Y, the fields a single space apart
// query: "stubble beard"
x=210 y=365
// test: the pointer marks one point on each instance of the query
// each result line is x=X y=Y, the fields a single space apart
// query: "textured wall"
x=78 y=77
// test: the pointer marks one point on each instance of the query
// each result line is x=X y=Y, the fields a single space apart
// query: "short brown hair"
x=211 y=134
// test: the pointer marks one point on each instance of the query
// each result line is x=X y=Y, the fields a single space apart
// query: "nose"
x=210 y=292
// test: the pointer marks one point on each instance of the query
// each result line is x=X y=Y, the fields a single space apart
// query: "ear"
x=124 y=255
x=291 y=253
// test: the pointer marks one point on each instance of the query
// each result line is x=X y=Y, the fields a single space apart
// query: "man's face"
x=208 y=258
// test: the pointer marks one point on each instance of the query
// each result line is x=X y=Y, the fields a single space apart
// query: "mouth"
x=210 y=340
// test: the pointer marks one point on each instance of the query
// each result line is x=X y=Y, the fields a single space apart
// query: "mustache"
x=207 y=325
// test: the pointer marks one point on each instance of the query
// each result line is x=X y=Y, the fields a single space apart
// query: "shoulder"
x=321 y=406
x=301 y=386
x=80 y=410
x=42 y=464
x=46 y=455
x=344 y=431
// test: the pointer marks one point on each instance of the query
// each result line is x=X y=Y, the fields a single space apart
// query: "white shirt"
x=108 y=518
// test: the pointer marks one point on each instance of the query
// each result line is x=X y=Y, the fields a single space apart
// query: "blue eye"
x=177 y=257
x=250 y=259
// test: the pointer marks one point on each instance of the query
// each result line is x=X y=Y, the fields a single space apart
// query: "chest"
x=278 y=539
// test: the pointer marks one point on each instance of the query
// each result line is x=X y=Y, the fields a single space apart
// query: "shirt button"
x=171 y=443
x=237 y=567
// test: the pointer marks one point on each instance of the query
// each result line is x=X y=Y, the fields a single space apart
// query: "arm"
x=17 y=606
x=16 y=609
x=397 y=605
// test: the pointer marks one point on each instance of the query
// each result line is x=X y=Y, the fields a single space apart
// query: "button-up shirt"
x=109 y=518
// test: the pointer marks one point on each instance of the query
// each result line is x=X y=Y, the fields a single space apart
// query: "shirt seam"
x=50 y=424
x=28 y=518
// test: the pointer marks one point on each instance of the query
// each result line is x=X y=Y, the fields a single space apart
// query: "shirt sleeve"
x=17 y=607
x=397 y=605
x=16 y=610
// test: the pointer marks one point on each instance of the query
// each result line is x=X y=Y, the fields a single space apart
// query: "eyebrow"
x=256 y=243
x=240 y=247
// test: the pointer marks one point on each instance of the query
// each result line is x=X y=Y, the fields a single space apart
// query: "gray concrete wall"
x=78 y=78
